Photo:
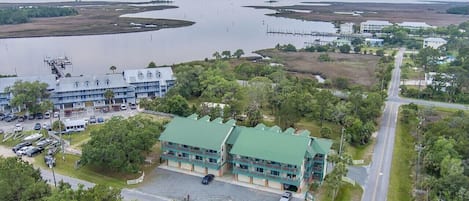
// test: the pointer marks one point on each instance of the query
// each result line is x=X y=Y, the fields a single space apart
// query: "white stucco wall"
x=258 y=181
x=186 y=166
x=276 y=185
x=243 y=178
x=214 y=172
x=199 y=169
x=173 y=163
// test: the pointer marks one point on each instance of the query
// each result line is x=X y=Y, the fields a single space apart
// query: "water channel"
x=219 y=25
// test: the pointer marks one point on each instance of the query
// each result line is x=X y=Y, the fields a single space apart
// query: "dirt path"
x=6 y=152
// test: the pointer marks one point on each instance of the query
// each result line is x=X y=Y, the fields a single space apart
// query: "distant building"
x=374 y=42
x=374 y=26
x=10 y=81
x=414 y=26
x=321 y=41
x=265 y=156
x=341 y=42
x=78 y=92
x=434 y=43
x=150 y=82
x=74 y=125
x=346 y=28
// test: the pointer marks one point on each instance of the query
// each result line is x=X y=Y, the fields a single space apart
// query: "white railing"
x=136 y=181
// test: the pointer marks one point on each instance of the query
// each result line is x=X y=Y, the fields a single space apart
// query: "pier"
x=58 y=65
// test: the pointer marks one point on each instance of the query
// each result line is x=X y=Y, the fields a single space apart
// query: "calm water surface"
x=220 y=25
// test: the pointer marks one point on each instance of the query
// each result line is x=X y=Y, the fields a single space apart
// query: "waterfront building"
x=374 y=26
x=434 y=43
x=265 y=156
x=414 y=26
x=346 y=28
x=150 y=82
x=341 y=42
x=10 y=81
x=197 y=145
x=85 y=91
x=374 y=42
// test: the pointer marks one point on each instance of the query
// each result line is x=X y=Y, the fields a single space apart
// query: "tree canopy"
x=32 y=95
x=120 y=145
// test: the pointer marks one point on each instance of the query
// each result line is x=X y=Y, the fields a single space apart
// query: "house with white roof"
x=374 y=26
x=150 y=82
x=346 y=28
x=434 y=43
x=414 y=26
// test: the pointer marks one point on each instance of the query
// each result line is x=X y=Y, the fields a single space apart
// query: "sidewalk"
x=229 y=179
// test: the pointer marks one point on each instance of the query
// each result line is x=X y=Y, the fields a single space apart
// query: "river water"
x=220 y=25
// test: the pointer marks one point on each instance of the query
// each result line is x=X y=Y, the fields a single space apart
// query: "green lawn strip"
x=361 y=152
x=86 y=173
x=81 y=137
x=347 y=192
x=12 y=142
x=400 y=186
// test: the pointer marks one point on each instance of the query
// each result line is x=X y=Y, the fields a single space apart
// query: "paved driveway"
x=177 y=186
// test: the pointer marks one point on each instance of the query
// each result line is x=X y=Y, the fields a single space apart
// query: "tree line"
x=444 y=161
x=24 y=15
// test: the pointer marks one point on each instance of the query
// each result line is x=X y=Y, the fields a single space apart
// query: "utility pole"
x=341 y=141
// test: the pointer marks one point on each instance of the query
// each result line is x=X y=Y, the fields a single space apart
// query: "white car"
x=286 y=196
x=123 y=107
x=18 y=128
x=23 y=150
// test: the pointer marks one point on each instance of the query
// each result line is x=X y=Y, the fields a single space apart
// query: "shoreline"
x=432 y=14
x=97 y=18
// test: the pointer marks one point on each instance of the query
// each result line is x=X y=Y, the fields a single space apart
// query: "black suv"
x=21 y=145
x=39 y=116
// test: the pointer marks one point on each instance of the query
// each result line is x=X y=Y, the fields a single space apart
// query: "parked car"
x=207 y=179
x=31 y=117
x=44 y=142
x=23 y=150
x=100 y=120
x=21 y=119
x=18 y=128
x=33 y=151
x=133 y=106
x=56 y=114
x=49 y=160
x=2 y=116
x=52 y=150
x=47 y=115
x=123 y=107
x=92 y=120
x=21 y=145
x=33 y=137
x=39 y=115
x=2 y=131
x=37 y=126
x=286 y=196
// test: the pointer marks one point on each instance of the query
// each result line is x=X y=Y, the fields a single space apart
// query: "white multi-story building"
x=434 y=43
x=373 y=26
x=346 y=28
x=414 y=26
x=150 y=82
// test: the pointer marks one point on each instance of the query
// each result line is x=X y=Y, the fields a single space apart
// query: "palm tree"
x=109 y=95
x=113 y=68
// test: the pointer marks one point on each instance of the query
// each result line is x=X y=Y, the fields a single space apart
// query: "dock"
x=58 y=65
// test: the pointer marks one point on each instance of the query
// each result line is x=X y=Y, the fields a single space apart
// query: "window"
x=212 y=160
x=198 y=158
x=244 y=167
x=97 y=82
x=185 y=146
x=274 y=172
x=185 y=155
x=258 y=169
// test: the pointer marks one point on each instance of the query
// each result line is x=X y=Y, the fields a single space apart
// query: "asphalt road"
x=377 y=183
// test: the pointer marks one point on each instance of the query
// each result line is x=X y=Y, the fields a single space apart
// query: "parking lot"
x=29 y=124
x=177 y=186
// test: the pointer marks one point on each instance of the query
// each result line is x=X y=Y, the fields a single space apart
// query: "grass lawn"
x=77 y=139
x=362 y=152
x=86 y=173
x=347 y=192
x=401 y=182
x=12 y=142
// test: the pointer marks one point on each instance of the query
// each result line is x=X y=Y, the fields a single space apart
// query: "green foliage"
x=380 y=52
x=113 y=69
x=226 y=54
x=29 y=94
x=120 y=145
x=109 y=95
x=19 y=181
x=152 y=64
x=58 y=125
x=238 y=53
x=287 y=48
x=345 y=48
x=23 y=15
x=99 y=192
x=357 y=41
x=324 y=58
x=460 y=10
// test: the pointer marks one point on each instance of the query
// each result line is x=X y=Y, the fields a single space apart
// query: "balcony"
x=271 y=166
x=190 y=150
x=265 y=175
x=188 y=160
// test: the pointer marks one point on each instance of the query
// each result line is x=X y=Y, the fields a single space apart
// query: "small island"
x=80 y=18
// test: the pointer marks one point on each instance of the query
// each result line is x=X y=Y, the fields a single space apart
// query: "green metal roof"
x=198 y=133
x=272 y=146
x=321 y=145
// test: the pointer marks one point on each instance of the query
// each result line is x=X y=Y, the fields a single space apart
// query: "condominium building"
x=414 y=26
x=346 y=28
x=374 y=26
x=197 y=144
x=10 y=81
x=265 y=156
x=82 y=91
x=434 y=43
x=150 y=82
